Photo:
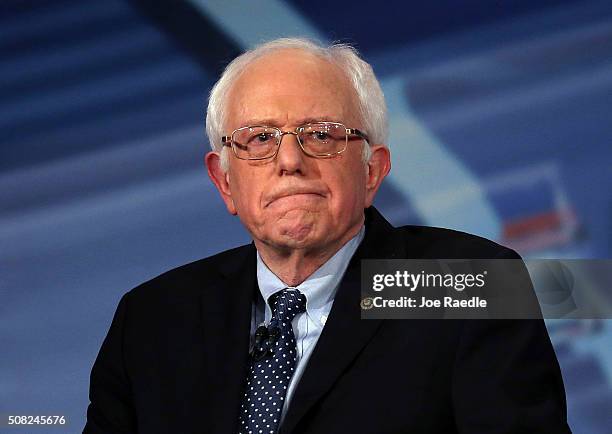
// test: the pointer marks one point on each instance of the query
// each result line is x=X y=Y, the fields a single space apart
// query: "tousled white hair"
x=372 y=106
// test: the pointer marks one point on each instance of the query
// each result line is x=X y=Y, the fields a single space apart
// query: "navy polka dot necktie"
x=272 y=365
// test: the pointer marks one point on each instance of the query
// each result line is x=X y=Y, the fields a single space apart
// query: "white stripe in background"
x=423 y=167
x=441 y=188
x=252 y=22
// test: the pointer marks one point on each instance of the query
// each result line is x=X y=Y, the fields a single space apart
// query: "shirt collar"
x=320 y=287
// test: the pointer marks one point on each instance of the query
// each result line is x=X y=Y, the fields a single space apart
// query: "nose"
x=290 y=158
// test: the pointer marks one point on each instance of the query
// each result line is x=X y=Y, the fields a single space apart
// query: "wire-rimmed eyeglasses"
x=318 y=139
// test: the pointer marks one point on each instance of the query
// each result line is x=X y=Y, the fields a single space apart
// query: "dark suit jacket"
x=176 y=355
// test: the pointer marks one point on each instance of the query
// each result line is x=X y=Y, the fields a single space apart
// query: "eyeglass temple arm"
x=227 y=141
x=359 y=133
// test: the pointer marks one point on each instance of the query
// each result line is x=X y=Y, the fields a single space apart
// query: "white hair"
x=372 y=106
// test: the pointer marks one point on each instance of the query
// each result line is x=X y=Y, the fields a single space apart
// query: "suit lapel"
x=226 y=312
x=345 y=333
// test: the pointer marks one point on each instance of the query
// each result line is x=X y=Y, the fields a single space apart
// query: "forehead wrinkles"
x=288 y=110
x=291 y=83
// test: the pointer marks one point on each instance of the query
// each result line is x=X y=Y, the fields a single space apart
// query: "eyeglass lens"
x=317 y=139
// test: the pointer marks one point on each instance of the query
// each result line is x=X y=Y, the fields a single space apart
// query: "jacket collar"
x=343 y=336
x=345 y=333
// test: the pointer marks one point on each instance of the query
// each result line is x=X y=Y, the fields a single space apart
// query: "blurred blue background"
x=500 y=126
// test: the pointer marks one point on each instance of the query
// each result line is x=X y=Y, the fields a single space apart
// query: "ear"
x=377 y=169
x=221 y=179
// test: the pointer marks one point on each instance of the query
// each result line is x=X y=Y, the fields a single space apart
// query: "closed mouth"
x=295 y=193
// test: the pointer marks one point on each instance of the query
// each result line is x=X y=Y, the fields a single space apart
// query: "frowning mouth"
x=297 y=196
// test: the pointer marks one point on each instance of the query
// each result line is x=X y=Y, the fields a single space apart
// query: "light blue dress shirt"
x=320 y=289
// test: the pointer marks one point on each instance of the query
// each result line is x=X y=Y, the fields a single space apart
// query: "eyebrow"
x=274 y=123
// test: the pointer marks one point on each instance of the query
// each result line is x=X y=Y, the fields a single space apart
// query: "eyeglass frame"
x=228 y=141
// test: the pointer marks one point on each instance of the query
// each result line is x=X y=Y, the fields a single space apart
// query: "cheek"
x=349 y=190
x=246 y=193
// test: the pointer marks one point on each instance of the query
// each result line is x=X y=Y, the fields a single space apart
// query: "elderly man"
x=267 y=337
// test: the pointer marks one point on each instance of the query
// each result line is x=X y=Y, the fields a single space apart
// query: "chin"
x=294 y=228
x=296 y=234
x=295 y=223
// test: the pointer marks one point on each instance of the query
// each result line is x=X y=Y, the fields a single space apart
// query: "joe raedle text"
x=424 y=290
x=424 y=302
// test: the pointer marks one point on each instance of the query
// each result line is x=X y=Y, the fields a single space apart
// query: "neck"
x=293 y=266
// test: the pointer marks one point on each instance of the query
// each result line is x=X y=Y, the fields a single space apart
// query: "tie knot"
x=286 y=304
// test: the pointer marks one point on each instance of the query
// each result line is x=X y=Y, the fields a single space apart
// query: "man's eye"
x=321 y=136
x=262 y=138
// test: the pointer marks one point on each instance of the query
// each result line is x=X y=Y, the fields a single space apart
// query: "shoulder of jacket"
x=190 y=278
x=456 y=243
